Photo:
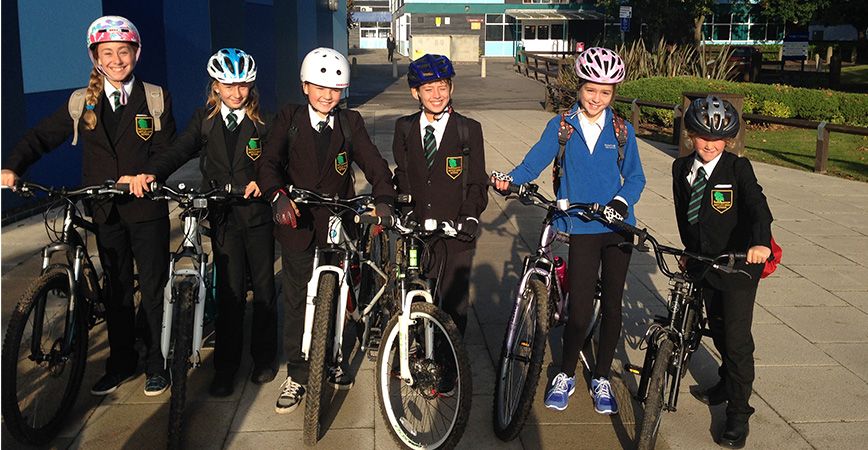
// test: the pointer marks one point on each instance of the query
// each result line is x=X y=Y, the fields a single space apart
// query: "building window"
x=499 y=27
x=420 y=19
x=542 y=32
x=546 y=2
x=374 y=29
x=740 y=22
x=557 y=31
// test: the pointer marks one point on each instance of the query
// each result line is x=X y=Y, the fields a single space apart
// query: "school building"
x=45 y=59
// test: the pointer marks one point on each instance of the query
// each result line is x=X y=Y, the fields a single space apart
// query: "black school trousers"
x=119 y=244
x=594 y=256
x=238 y=248
x=730 y=316
x=449 y=262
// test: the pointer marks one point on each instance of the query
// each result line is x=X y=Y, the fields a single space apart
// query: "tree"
x=795 y=12
x=673 y=20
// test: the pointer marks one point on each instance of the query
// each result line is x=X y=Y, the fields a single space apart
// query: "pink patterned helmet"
x=600 y=65
x=112 y=29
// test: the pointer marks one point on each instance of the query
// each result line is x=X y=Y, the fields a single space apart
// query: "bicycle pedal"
x=634 y=369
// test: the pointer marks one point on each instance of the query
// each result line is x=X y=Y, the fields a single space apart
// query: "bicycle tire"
x=508 y=425
x=647 y=435
x=29 y=424
x=182 y=329
x=389 y=375
x=323 y=326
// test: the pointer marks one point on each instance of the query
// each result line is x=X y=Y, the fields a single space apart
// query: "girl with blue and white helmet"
x=227 y=135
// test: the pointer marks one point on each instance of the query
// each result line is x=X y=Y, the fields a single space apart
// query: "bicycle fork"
x=311 y=300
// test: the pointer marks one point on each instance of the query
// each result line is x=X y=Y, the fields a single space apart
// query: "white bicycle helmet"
x=112 y=29
x=600 y=65
x=232 y=65
x=326 y=67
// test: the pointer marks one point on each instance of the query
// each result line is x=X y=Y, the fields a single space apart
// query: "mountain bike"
x=541 y=304
x=46 y=342
x=423 y=372
x=672 y=339
x=187 y=293
x=347 y=278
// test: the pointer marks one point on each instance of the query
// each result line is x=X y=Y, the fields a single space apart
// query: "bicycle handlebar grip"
x=741 y=256
x=123 y=187
x=233 y=189
x=367 y=219
x=404 y=199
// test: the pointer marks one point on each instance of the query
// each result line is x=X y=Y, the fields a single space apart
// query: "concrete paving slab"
x=854 y=248
x=859 y=299
x=852 y=356
x=779 y=345
x=840 y=278
x=834 y=435
x=776 y=291
x=839 y=324
x=814 y=255
x=359 y=438
x=479 y=433
x=815 y=227
x=814 y=401
x=763 y=316
x=576 y=436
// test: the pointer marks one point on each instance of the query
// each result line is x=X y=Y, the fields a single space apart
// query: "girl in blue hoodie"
x=600 y=164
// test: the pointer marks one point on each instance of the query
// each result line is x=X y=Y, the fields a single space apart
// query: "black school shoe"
x=262 y=374
x=110 y=383
x=714 y=395
x=222 y=385
x=735 y=434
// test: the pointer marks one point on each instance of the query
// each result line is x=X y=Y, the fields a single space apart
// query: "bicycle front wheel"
x=323 y=327
x=647 y=436
x=182 y=334
x=41 y=373
x=521 y=362
x=433 y=411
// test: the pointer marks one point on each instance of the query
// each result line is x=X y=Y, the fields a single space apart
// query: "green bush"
x=775 y=100
x=775 y=109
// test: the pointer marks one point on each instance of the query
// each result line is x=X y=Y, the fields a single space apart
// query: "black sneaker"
x=109 y=383
x=156 y=385
x=222 y=385
x=446 y=386
x=291 y=395
x=339 y=379
x=262 y=374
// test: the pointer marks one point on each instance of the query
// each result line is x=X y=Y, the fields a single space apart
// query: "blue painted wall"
x=177 y=39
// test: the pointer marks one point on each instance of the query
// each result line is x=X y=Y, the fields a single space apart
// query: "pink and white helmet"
x=600 y=65
x=112 y=29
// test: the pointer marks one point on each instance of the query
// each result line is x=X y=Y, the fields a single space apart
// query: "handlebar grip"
x=367 y=219
x=404 y=199
x=512 y=189
x=741 y=256
x=233 y=189
x=123 y=187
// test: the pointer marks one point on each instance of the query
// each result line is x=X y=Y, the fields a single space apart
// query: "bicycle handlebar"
x=108 y=188
x=429 y=226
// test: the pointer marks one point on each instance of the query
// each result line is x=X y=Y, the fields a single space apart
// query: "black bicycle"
x=671 y=340
x=46 y=342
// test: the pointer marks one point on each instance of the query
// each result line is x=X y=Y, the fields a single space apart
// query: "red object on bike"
x=770 y=266
x=561 y=274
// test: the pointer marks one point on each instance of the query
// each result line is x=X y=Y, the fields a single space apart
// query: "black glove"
x=284 y=210
x=383 y=210
x=619 y=207
x=467 y=228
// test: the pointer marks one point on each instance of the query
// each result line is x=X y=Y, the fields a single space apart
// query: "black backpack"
x=463 y=136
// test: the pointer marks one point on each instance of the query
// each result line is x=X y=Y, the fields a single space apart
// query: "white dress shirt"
x=110 y=89
x=315 y=119
x=439 y=126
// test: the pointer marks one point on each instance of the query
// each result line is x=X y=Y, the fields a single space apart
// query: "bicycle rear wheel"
x=41 y=380
x=521 y=363
x=182 y=335
x=433 y=412
x=647 y=435
x=323 y=327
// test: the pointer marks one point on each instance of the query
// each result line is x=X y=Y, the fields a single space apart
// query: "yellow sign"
x=475 y=26
x=437 y=21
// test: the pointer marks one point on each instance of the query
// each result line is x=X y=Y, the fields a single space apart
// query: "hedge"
x=773 y=100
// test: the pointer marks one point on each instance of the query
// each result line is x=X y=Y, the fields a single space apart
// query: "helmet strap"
x=437 y=115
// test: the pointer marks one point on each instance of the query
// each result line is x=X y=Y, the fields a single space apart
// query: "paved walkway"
x=810 y=325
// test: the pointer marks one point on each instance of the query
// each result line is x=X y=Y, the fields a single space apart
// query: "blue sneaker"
x=559 y=394
x=604 y=400
x=156 y=385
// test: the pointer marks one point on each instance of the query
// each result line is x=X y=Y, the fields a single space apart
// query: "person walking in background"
x=390 y=46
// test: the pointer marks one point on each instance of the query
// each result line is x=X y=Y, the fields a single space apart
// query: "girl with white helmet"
x=226 y=134
x=312 y=146
x=119 y=129
x=593 y=150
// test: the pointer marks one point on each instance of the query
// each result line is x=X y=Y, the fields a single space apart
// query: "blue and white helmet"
x=232 y=65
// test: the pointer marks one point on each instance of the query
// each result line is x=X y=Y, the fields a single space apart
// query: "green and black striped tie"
x=430 y=143
x=696 y=191
x=231 y=121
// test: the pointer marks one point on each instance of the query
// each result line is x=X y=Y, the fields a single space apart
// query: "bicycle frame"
x=191 y=250
x=411 y=276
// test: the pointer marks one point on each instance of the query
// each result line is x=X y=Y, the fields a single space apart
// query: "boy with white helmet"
x=589 y=168
x=119 y=128
x=311 y=146
x=226 y=135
